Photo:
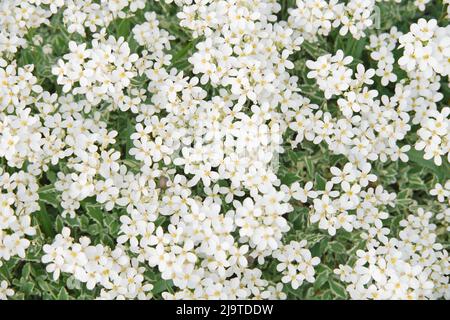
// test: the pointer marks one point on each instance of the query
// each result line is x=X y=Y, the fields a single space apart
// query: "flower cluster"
x=17 y=17
x=5 y=292
x=99 y=73
x=21 y=133
x=18 y=200
x=351 y=207
x=178 y=163
x=155 y=40
x=296 y=263
x=79 y=15
x=413 y=266
x=371 y=129
x=382 y=47
x=426 y=48
x=441 y=192
x=313 y=18
x=434 y=136
x=119 y=275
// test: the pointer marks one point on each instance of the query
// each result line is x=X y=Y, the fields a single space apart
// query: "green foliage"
x=309 y=162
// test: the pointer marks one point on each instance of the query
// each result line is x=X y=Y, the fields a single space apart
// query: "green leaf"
x=416 y=183
x=45 y=222
x=309 y=167
x=358 y=48
x=62 y=294
x=320 y=182
x=95 y=212
x=404 y=194
x=27 y=287
x=319 y=247
x=94 y=229
x=84 y=223
x=51 y=175
x=442 y=172
x=321 y=279
x=162 y=285
x=49 y=195
x=26 y=270
x=124 y=28
x=327 y=295
x=403 y=203
x=313 y=49
x=336 y=247
x=73 y=283
x=289 y=178
x=129 y=143
x=182 y=54
x=338 y=289
x=45 y=286
x=59 y=224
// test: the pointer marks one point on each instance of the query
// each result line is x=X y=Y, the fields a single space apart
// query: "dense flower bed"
x=224 y=149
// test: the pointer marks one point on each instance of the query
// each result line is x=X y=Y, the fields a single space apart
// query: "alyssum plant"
x=224 y=149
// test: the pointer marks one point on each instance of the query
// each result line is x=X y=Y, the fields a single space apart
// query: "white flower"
x=5 y=292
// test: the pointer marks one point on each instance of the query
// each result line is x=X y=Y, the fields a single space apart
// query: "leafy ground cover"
x=212 y=149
